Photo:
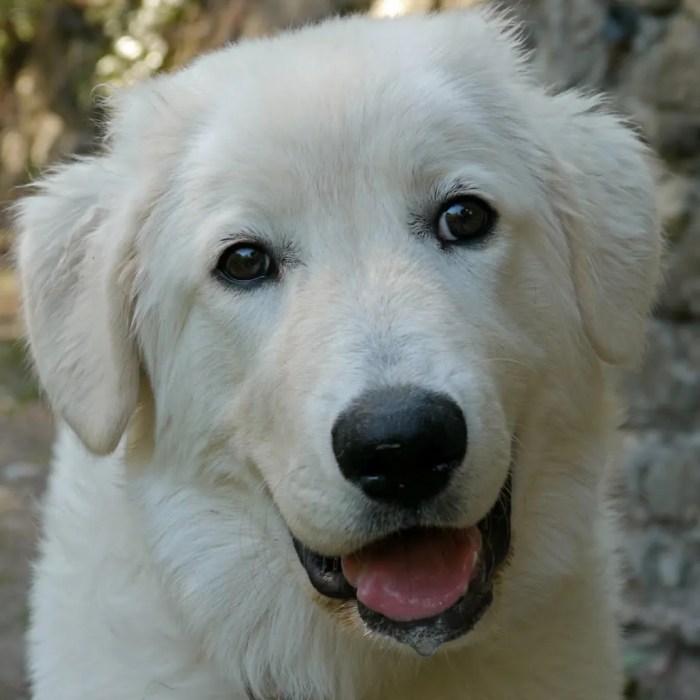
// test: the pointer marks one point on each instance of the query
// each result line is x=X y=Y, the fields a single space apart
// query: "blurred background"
x=57 y=57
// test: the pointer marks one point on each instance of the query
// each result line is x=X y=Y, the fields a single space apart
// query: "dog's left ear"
x=604 y=192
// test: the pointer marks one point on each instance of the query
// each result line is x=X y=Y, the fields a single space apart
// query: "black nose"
x=400 y=444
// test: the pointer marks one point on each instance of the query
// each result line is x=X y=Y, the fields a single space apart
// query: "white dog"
x=329 y=321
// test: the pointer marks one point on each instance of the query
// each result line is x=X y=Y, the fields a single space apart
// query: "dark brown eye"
x=245 y=263
x=465 y=219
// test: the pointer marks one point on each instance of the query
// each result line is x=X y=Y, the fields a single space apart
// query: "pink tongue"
x=415 y=575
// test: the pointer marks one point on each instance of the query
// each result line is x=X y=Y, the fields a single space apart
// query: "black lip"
x=425 y=636
x=325 y=573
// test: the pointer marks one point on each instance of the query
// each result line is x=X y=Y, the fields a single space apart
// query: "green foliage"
x=19 y=17
x=18 y=21
x=136 y=32
x=15 y=375
x=130 y=35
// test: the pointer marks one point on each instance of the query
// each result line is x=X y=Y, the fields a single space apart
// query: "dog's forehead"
x=332 y=116
x=335 y=145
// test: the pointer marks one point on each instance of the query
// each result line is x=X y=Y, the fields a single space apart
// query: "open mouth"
x=421 y=586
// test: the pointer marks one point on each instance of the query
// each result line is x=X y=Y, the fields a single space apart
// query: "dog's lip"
x=425 y=635
x=325 y=573
x=428 y=634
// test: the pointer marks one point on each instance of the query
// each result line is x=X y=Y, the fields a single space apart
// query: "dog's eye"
x=465 y=219
x=245 y=263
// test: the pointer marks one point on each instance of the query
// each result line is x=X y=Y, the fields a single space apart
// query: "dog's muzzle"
x=421 y=586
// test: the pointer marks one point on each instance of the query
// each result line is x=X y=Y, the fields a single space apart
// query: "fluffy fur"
x=197 y=416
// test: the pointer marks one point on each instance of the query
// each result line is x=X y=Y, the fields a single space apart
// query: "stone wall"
x=646 y=53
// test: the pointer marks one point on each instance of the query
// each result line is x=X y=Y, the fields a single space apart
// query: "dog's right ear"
x=77 y=257
x=73 y=257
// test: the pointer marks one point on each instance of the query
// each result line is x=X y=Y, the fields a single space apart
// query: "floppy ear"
x=72 y=256
x=77 y=262
x=605 y=192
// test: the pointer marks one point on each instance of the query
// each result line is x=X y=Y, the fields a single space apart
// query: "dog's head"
x=363 y=278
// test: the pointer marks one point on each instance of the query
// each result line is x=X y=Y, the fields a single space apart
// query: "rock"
x=681 y=295
x=21 y=471
x=675 y=197
x=665 y=392
x=660 y=596
x=660 y=606
x=693 y=8
x=658 y=6
x=678 y=135
x=570 y=38
x=662 y=671
x=663 y=477
x=667 y=76
x=685 y=683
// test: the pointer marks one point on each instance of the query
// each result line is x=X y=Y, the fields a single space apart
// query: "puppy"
x=326 y=326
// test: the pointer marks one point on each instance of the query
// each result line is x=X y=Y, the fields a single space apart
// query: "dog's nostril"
x=400 y=444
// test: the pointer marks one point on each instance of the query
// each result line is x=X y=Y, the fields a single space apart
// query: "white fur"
x=166 y=567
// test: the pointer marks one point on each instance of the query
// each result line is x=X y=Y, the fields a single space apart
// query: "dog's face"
x=364 y=276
